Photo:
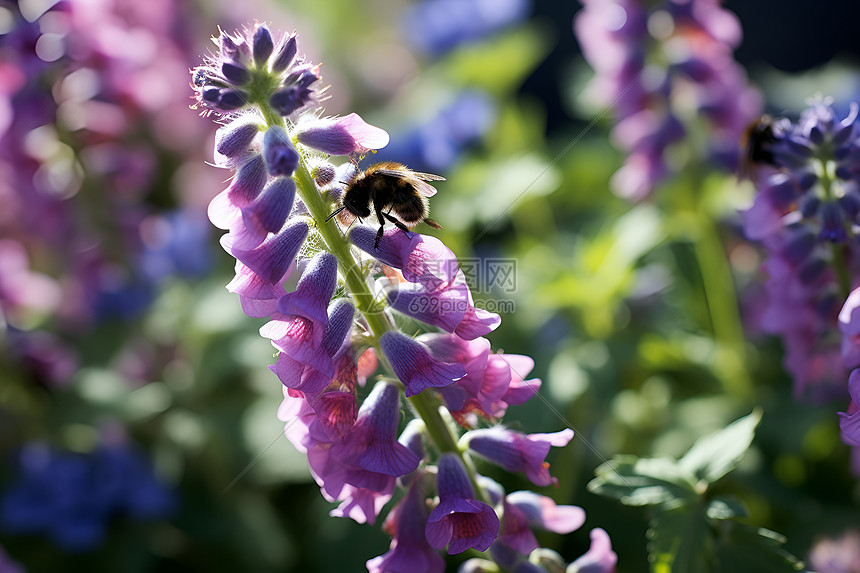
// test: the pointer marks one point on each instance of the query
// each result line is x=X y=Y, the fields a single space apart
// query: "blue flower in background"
x=436 y=144
x=176 y=244
x=70 y=497
x=437 y=26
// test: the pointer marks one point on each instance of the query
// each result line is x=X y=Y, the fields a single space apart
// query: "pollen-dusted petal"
x=314 y=290
x=414 y=365
x=269 y=211
x=341 y=136
x=278 y=151
x=273 y=258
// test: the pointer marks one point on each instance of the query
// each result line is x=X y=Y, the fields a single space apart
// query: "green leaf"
x=715 y=455
x=643 y=481
x=741 y=547
x=680 y=542
x=501 y=63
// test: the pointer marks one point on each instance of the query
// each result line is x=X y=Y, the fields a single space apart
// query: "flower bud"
x=280 y=155
x=262 y=45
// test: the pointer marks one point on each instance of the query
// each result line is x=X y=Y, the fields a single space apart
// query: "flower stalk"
x=278 y=214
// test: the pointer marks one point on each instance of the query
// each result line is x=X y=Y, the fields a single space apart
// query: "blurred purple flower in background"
x=90 y=229
x=438 y=26
x=436 y=144
x=838 y=554
x=9 y=565
x=667 y=72
x=805 y=213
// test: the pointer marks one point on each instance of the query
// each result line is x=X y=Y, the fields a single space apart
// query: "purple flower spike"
x=600 y=558
x=280 y=155
x=414 y=365
x=516 y=452
x=376 y=427
x=459 y=521
x=849 y=324
x=342 y=136
x=314 y=290
x=273 y=257
x=409 y=550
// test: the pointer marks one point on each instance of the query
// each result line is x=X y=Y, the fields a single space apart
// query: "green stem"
x=356 y=282
x=723 y=307
x=843 y=277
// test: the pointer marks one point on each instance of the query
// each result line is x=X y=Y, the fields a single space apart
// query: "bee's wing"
x=416 y=178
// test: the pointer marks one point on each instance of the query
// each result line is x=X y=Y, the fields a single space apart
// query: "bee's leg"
x=381 y=217
x=378 y=236
x=399 y=224
x=433 y=223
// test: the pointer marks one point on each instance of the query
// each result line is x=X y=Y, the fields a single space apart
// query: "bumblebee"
x=757 y=146
x=394 y=192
